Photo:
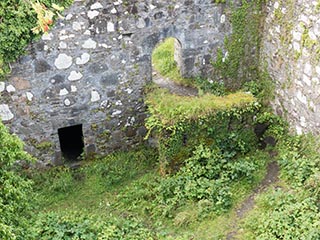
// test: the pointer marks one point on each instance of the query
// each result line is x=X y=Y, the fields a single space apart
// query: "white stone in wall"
x=105 y=45
x=2 y=86
x=96 y=5
x=95 y=96
x=117 y=2
x=63 y=92
x=5 y=113
x=296 y=46
x=74 y=76
x=67 y=102
x=63 y=61
x=128 y=90
x=68 y=17
x=312 y=36
x=87 y=32
x=118 y=103
x=62 y=45
x=296 y=35
x=113 y=11
x=298 y=130
x=47 y=36
x=318 y=70
x=83 y=59
x=311 y=104
x=116 y=112
x=222 y=18
x=110 y=27
x=306 y=80
x=92 y=14
x=89 y=44
x=302 y=98
x=11 y=88
x=303 y=121
x=76 y=26
x=141 y=23
x=73 y=88
x=104 y=104
x=305 y=19
x=308 y=69
x=276 y=5
x=152 y=6
x=29 y=96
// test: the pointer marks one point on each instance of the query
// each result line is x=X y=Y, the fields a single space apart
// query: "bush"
x=17 y=19
x=285 y=215
x=15 y=191
x=75 y=225
x=207 y=175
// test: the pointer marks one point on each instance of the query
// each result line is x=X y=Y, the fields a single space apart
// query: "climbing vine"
x=238 y=62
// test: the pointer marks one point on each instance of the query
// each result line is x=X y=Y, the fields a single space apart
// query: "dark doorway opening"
x=71 y=142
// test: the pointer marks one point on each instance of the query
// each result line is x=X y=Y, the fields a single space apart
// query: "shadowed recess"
x=71 y=142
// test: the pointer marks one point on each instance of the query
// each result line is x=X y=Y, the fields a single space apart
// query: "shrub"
x=76 y=225
x=15 y=191
x=17 y=18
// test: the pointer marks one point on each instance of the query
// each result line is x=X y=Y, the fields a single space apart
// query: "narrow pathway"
x=173 y=87
x=270 y=178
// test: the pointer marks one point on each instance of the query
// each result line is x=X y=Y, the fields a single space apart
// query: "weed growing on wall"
x=238 y=62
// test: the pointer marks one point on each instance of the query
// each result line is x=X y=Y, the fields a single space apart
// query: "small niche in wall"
x=71 y=142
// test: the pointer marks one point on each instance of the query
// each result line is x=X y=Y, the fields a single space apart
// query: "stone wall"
x=291 y=55
x=92 y=66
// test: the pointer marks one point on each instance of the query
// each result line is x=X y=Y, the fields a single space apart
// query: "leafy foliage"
x=286 y=216
x=15 y=191
x=17 y=19
x=75 y=225
x=207 y=175
x=291 y=212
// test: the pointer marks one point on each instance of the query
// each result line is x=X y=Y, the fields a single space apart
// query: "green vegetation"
x=17 y=19
x=208 y=158
x=290 y=211
x=170 y=109
x=15 y=201
x=236 y=63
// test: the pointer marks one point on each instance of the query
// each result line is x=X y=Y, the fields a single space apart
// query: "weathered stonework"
x=92 y=66
x=291 y=49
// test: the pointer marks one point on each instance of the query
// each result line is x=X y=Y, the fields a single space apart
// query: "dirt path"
x=173 y=87
x=270 y=178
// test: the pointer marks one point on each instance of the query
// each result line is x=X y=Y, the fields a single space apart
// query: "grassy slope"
x=119 y=185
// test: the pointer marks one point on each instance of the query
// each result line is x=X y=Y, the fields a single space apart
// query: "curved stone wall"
x=92 y=66
x=291 y=51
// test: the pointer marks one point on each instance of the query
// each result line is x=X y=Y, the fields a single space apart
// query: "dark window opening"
x=71 y=142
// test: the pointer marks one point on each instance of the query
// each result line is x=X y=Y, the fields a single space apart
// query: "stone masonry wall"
x=291 y=54
x=92 y=66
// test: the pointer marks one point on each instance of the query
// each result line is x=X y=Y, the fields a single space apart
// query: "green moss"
x=236 y=64
x=45 y=145
x=170 y=108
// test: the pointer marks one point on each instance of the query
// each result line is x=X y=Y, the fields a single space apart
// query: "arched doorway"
x=166 y=68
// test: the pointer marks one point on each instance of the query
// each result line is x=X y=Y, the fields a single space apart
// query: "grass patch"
x=117 y=195
x=164 y=63
x=170 y=108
